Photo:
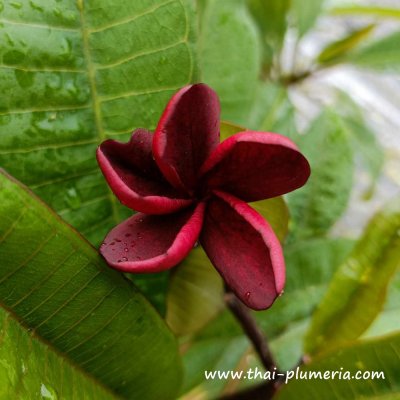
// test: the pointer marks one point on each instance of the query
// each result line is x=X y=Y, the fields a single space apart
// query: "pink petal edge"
x=171 y=254
x=255 y=166
x=149 y=203
x=250 y=289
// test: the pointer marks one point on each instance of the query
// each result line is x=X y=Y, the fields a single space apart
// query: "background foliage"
x=74 y=72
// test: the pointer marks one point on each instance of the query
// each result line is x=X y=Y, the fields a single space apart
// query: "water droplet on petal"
x=124 y=259
x=126 y=249
x=247 y=295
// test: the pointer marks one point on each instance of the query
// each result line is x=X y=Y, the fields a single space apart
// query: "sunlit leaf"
x=382 y=54
x=381 y=12
x=75 y=73
x=335 y=51
x=381 y=356
x=357 y=292
x=57 y=285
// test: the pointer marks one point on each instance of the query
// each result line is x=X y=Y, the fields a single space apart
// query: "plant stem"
x=251 y=329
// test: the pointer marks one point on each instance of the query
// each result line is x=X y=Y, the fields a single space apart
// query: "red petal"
x=256 y=165
x=187 y=133
x=244 y=249
x=134 y=177
x=153 y=243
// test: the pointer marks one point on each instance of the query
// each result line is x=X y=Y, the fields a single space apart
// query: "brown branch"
x=251 y=329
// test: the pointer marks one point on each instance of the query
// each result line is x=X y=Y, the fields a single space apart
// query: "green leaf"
x=229 y=55
x=57 y=285
x=387 y=321
x=75 y=73
x=276 y=213
x=306 y=13
x=316 y=206
x=363 y=140
x=376 y=355
x=195 y=294
x=357 y=292
x=382 y=54
x=272 y=110
x=30 y=369
x=271 y=17
x=310 y=266
x=335 y=51
x=211 y=355
x=381 y=12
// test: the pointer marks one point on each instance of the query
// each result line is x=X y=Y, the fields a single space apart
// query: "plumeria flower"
x=187 y=188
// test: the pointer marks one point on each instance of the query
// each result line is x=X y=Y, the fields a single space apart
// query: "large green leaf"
x=229 y=56
x=30 y=369
x=357 y=292
x=376 y=355
x=57 y=285
x=382 y=54
x=75 y=72
x=316 y=206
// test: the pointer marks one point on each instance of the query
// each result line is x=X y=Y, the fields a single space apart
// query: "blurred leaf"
x=363 y=140
x=310 y=266
x=375 y=355
x=382 y=54
x=271 y=17
x=195 y=294
x=272 y=110
x=57 y=285
x=316 y=207
x=383 y=12
x=335 y=51
x=357 y=292
x=210 y=355
x=387 y=321
x=30 y=369
x=75 y=73
x=229 y=54
x=227 y=130
x=306 y=14
x=276 y=213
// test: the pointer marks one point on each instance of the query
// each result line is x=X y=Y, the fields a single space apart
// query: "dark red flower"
x=188 y=187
